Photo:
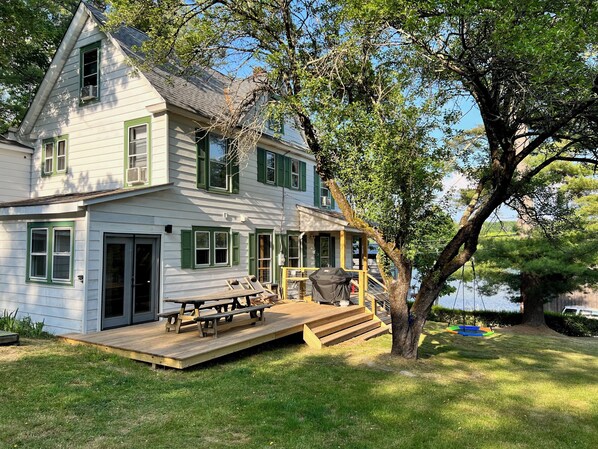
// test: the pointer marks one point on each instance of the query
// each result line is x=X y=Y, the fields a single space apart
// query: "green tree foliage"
x=30 y=32
x=350 y=72
x=539 y=263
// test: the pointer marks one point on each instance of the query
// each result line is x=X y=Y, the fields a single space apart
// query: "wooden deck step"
x=341 y=313
x=351 y=323
x=341 y=324
x=382 y=330
x=347 y=334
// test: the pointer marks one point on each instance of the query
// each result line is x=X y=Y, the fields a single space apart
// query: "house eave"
x=312 y=220
x=17 y=149
x=76 y=207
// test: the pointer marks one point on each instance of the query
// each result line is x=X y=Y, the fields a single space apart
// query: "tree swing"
x=465 y=329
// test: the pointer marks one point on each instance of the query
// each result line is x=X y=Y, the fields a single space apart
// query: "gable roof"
x=203 y=94
x=207 y=93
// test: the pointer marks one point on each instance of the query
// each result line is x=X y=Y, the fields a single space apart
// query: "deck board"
x=150 y=343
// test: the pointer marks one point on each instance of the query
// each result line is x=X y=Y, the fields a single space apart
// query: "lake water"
x=470 y=301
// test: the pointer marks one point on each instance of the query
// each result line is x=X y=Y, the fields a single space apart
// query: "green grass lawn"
x=506 y=391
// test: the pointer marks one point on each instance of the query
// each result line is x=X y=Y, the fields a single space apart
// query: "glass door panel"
x=264 y=258
x=129 y=281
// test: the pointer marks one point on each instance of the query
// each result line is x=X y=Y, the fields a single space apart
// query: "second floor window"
x=137 y=134
x=322 y=197
x=90 y=72
x=217 y=167
x=280 y=170
x=48 y=158
x=270 y=168
x=218 y=163
x=54 y=155
x=295 y=174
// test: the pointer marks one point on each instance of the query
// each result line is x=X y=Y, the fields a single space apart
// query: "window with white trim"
x=202 y=248
x=138 y=142
x=295 y=174
x=50 y=252
x=211 y=248
x=54 y=155
x=270 y=168
x=221 y=248
x=294 y=251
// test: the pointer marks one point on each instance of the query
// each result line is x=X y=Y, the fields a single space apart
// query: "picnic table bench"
x=174 y=318
x=220 y=301
x=210 y=322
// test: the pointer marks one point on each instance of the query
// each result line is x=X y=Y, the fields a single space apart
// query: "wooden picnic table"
x=219 y=301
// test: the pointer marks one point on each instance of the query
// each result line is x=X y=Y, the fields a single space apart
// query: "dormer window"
x=90 y=72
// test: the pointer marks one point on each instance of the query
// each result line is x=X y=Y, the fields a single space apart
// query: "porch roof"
x=72 y=202
x=318 y=220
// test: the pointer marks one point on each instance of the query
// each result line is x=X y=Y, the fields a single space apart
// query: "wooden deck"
x=150 y=343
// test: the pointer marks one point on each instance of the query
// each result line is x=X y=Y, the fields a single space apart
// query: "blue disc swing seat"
x=465 y=329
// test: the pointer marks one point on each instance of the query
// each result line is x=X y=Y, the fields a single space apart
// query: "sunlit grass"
x=506 y=391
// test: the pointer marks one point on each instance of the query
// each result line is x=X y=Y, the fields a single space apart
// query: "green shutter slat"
x=287 y=172
x=252 y=269
x=317 y=250
x=317 y=201
x=234 y=167
x=261 y=165
x=280 y=161
x=186 y=249
x=237 y=248
x=332 y=252
x=303 y=170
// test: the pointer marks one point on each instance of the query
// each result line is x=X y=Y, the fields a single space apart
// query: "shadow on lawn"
x=284 y=396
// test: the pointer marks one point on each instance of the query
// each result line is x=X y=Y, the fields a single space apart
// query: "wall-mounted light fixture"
x=168 y=229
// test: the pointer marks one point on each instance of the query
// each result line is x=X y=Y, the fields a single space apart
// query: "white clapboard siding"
x=59 y=307
x=96 y=153
x=15 y=169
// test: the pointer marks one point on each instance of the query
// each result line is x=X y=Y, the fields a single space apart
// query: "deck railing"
x=295 y=281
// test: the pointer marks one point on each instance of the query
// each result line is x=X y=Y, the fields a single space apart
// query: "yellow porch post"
x=343 y=249
x=364 y=253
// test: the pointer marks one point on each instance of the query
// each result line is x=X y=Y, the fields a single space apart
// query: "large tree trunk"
x=533 y=303
x=405 y=331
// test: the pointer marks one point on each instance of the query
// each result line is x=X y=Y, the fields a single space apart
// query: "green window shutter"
x=304 y=250
x=252 y=269
x=233 y=166
x=236 y=248
x=186 y=248
x=303 y=172
x=332 y=251
x=287 y=172
x=317 y=250
x=280 y=161
x=202 y=144
x=261 y=165
x=332 y=202
x=275 y=261
x=317 y=183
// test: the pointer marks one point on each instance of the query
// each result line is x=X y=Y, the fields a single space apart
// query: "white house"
x=115 y=196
